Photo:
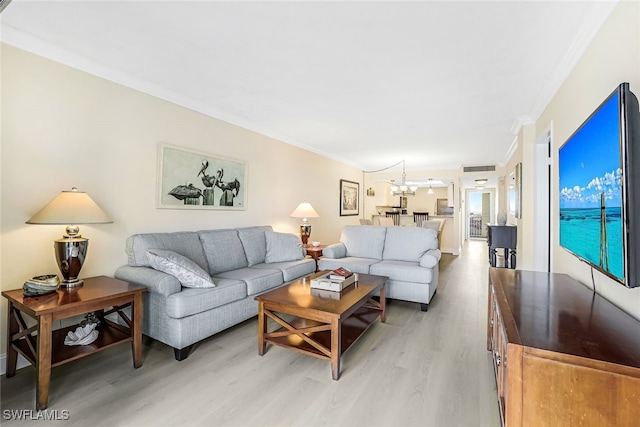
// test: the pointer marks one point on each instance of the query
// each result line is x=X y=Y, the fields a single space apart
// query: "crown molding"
x=21 y=40
x=591 y=24
x=511 y=151
x=520 y=121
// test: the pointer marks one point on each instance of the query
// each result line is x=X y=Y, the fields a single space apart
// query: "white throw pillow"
x=190 y=274
x=283 y=247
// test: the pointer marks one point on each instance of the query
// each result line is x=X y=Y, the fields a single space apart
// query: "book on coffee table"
x=340 y=274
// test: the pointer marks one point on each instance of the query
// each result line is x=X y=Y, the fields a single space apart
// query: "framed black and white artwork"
x=189 y=179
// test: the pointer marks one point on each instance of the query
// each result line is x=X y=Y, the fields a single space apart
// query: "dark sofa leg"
x=424 y=307
x=181 y=353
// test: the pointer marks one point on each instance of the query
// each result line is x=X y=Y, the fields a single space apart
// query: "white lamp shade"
x=71 y=207
x=304 y=210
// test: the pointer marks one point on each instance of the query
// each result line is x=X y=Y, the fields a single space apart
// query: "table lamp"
x=304 y=211
x=71 y=207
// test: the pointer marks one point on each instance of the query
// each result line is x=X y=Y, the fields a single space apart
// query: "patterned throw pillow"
x=283 y=247
x=190 y=274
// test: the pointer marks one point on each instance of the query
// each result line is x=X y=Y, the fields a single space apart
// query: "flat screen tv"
x=599 y=179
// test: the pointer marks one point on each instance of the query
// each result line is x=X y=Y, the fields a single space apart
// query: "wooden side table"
x=47 y=348
x=315 y=252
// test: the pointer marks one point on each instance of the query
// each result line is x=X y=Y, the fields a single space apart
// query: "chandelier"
x=403 y=189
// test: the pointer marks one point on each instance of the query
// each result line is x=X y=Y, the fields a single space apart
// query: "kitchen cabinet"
x=450 y=195
x=383 y=194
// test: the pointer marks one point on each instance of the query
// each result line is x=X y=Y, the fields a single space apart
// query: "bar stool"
x=420 y=217
x=395 y=216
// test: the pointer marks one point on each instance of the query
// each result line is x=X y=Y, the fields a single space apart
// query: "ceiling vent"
x=486 y=168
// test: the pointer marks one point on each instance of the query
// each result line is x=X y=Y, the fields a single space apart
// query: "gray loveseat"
x=238 y=264
x=409 y=256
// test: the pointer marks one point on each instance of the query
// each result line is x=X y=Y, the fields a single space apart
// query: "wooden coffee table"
x=326 y=323
x=47 y=348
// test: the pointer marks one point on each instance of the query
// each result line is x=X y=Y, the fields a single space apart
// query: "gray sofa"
x=409 y=256
x=235 y=265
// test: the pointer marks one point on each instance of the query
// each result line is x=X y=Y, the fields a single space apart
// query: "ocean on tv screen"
x=580 y=234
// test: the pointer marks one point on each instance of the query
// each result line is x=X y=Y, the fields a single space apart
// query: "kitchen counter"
x=405 y=219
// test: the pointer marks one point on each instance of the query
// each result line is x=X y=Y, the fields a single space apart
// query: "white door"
x=542 y=206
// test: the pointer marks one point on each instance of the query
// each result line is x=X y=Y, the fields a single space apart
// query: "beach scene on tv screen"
x=591 y=192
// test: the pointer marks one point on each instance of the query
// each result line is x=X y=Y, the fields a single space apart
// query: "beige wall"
x=62 y=127
x=613 y=57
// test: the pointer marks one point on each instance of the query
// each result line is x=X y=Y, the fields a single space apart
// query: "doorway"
x=480 y=210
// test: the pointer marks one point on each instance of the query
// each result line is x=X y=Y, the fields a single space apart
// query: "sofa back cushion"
x=254 y=243
x=223 y=250
x=363 y=241
x=408 y=243
x=283 y=247
x=185 y=243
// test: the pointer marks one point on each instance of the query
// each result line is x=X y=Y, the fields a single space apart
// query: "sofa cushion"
x=363 y=242
x=186 y=271
x=254 y=243
x=185 y=243
x=355 y=264
x=258 y=280
x=408 y=243
x=193 y=301
x=405 y=271
x=283 y=247
x=223 y=250
x=291 y=269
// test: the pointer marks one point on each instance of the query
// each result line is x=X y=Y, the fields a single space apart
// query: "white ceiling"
x=439 y=84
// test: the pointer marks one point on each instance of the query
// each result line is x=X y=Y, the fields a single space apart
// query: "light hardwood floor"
x=417 y=369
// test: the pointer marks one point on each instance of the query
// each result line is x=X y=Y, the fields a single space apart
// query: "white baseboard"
x=22 y=362
x=451 y=251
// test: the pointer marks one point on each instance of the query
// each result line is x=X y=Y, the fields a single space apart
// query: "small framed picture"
x=349 y=198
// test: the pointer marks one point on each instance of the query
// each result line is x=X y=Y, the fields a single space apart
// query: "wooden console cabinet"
x=562 y=355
